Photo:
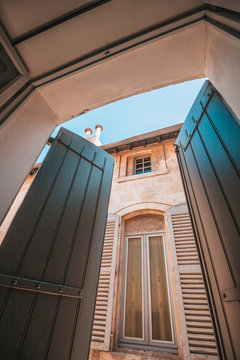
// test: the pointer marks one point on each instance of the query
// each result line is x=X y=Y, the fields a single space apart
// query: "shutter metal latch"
x=231 y=294
x=39 y=286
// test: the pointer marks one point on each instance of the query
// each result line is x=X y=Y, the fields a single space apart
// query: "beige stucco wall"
x=223 y=64
x=143 y=355
x=22 y=137
x=15 y=206
x=157 y=190
x=144 y=194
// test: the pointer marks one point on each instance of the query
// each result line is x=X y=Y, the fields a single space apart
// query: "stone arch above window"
x=143 y=207
x=144 y=223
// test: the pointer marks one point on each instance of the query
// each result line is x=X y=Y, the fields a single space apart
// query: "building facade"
x=151 y=300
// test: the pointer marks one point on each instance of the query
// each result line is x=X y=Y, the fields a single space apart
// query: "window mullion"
x=146 y=289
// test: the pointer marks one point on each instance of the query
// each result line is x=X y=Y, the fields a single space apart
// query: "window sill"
x=148 y=352
x=143 y=176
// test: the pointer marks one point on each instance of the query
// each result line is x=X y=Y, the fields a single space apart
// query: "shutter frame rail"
x=79 y=153
x=24 y=284
x=229 y=295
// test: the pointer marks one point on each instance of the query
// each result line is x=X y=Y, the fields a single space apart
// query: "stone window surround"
x=137 y=350
x=127 y=163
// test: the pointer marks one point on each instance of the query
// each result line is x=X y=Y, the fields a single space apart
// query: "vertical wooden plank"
x=224 y=169
x=58 y=263
x=35 y=337
x=16 y=239
x=60 y=342
x=13 y=321
x=79 y=256
x=42 y=240
x=226 y=125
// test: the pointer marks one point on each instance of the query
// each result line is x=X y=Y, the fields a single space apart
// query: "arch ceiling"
x=82 y=54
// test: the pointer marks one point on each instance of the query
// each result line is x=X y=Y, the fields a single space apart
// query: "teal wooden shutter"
x=208 y=148
x=50 y=257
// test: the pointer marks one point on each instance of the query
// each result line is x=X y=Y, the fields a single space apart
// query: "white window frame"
x=125 y=289
x=151 y=341
x=146 y=342
x=142 y=158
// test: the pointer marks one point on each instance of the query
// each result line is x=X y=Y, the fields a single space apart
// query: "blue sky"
x=137 y=114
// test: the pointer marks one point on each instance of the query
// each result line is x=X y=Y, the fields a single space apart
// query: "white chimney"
x=88 y=133
x=98 y=129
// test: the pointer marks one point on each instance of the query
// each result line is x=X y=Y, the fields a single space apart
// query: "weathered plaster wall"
x=144 y=355
x=223 y=65
x=148 y=195
x=156 y=192
x=159 y=63
x=22 y=136
x=15 y=206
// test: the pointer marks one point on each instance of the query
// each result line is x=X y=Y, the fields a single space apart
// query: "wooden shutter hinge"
x=233 y=294
x=20 y=283
x=50 y=141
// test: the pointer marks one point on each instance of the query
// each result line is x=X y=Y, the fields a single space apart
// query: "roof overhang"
x=153 y=137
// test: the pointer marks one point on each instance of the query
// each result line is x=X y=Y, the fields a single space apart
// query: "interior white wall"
x=223 y=65
x=173 y=58
x=195 y=51
x=22 y=136
x=84 y=34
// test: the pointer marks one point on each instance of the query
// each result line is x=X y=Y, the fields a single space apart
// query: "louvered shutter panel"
x=104 y=303
x=196 y=326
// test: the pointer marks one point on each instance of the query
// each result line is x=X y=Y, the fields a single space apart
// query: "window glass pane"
x=133 y=310
x=160 y=312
